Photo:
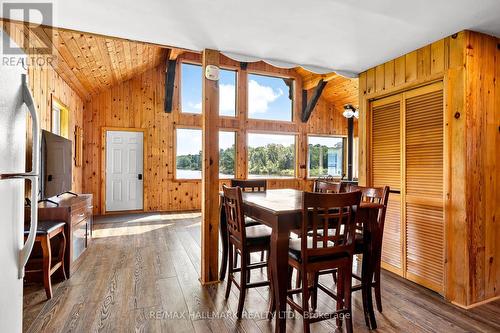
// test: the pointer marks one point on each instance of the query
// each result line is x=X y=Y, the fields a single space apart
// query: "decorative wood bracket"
x=309 y=107
x=169 y=85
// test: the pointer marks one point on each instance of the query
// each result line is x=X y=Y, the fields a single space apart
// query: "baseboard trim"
x=473 y=305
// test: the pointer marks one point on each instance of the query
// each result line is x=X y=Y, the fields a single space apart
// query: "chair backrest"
x=330 y=220
x=321 y=186
x=378 y=195
x=235 y=220
x=250 y=185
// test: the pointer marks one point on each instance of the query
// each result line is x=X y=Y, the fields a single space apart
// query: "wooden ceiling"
x=338 y=90
x=91 y=63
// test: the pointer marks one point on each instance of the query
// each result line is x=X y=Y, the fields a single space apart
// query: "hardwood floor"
x=141 y=274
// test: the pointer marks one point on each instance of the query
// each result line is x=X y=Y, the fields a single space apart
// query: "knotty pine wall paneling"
x=138 y=103
x=467 y=64
x=44 y=83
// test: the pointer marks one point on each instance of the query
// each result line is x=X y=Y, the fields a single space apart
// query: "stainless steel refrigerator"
x=16 y=104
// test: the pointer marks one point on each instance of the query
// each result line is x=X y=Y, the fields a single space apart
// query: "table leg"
x=224 y=241
x=279 y=268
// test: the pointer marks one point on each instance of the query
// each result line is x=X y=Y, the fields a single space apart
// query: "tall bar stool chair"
x=243 y=240
x=328 y=223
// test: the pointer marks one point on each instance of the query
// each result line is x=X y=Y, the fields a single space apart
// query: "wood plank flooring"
x=141 y=275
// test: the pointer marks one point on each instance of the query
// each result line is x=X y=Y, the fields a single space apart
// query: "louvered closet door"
x=386 y=170
x=423 y=174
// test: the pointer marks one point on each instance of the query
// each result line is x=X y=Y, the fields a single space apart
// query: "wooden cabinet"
x=77 y=213
x=407 y=153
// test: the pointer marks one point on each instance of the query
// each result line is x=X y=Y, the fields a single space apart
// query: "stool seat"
x=45 y=231
x=45 y=227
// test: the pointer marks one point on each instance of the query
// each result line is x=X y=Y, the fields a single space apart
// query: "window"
x=355 y=158
x=60 y=118
x=271 y=155
x=325 y=156
x=269 y=98
x=227 y=93
x=227 y=154
x=188 y=154
x=191 y=88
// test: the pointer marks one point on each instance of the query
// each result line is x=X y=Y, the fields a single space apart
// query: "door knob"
x=139 y=176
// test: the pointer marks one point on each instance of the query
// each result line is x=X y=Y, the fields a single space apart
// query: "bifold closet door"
x=423 y=187
x=386 y=170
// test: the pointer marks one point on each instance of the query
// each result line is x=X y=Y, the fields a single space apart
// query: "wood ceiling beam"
x=175 y=53
x=307 y=111
x=169 y=85
x=313 y=80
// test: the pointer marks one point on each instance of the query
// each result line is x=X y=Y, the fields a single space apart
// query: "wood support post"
x=210 y=176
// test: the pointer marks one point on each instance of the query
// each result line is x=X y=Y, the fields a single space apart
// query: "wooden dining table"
x=281 y=210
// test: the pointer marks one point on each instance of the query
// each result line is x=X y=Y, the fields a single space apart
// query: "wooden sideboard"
x=76 y=211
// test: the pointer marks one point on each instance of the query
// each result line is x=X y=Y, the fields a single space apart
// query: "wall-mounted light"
x=350 y=111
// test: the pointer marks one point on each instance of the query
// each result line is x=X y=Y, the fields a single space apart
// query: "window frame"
x=236 y=95
x=296 y=153
x=277 y=76
x=343 y=137
x=186 y=127
x=235 y=132
x=64 y=121
x=192 y=63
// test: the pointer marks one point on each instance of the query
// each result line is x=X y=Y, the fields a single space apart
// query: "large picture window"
x=191 y=87
x=227 y=93
x=188 y=154
x=227 y=154
x=269 y=98
x=325 y=156
x=271 y=155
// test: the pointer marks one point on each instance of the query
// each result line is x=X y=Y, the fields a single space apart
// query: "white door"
x=124 y=170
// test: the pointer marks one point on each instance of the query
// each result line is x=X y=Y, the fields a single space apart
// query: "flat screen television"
x=56 y=165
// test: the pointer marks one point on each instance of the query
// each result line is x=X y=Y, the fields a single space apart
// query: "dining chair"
x=333 y=248
x=251 y=185
x=321 y=186
x=243 y=240
x=378 y=195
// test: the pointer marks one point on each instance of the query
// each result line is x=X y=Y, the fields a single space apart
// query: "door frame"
x=103 y=168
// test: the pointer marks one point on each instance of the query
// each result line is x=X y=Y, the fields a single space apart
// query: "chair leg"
x=378 y=294
x=272 y=301
x=340 y=294
x=305 y=302
x=298 y=280
x=314 y=296
x=230 y=266
x=290 y=275
x=243 y=284
x=248 y=271
x=62 y=251
x=364 y=298
x=47 y=260
x=347 y=297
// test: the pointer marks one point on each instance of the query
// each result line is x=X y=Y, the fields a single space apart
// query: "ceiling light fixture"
x=350 y=111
